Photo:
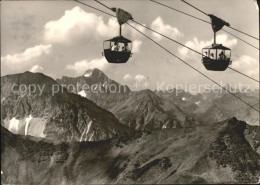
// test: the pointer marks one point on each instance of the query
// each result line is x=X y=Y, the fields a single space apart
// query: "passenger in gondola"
x=206 y=54
x=222 y=56
x=212 y=56
x=115 y=47
x=126 y=47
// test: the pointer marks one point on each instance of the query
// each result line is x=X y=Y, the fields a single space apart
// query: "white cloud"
x=128 y=77
x=223 y=39
x=36 y=68
x=80 y=66
x=166 y=29
x=77 y=24
x=198 y=45
x=140 y=77
x=137 y=77
x=247 y=65
x=28 y=55
x=136 y=46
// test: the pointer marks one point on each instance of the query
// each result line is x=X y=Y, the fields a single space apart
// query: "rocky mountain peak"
x=147 y=94
x=97 y=79
x=28 y=78
x=95 y=73
x=24 y=82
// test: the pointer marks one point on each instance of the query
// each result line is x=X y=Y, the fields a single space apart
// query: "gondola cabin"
x=216 y=57
x=117 y=49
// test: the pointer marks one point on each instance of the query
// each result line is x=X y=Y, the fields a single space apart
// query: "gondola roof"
x=217 y=46
x=120 y=39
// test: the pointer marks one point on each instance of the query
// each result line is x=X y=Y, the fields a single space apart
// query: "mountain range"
x=56 y=115
x=216 y=106
x=93 y=130
x=141 y=110
x=148 y=110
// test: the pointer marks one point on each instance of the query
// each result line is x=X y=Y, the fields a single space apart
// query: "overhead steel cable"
x=195 y=7
x=243 y=74
x=180 y=11
x=202 y=21
x=96 y=8
x=167 y=37
x=228 y=26
x=176 y=57
x=244 y=33
x=241 y=39
x=103 y=5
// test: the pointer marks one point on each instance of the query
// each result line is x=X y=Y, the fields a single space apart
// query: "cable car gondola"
x=216 y=57
x=118 y=49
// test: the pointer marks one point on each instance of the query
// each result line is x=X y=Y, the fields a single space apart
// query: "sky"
x=65 y=38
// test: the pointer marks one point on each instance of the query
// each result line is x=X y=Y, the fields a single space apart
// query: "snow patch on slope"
x=82 y=93
x=27 y=121
x=81 y=137
x=14 y=125
x=88 y=74
x=86 y=132
x=164 y=126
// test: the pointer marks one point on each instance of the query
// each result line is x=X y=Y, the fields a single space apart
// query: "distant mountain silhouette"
x=216 y=106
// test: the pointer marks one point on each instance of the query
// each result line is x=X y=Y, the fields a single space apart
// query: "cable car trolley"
x=216 y=57
x=118 y=49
